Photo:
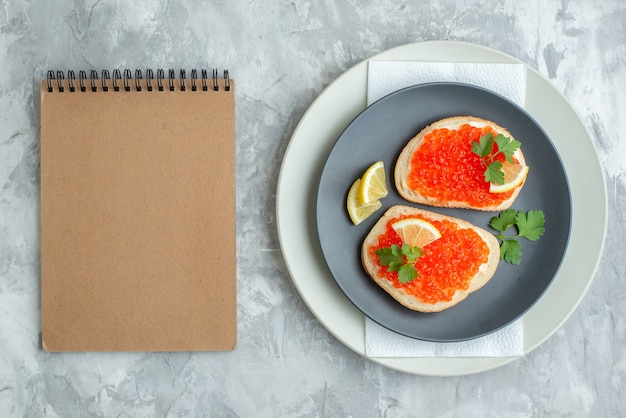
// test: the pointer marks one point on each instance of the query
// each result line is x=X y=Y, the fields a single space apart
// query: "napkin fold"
x=508 y=80
x=506 y=342
x=385 y=77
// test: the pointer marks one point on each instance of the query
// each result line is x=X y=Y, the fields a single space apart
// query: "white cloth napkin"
x=509 y=80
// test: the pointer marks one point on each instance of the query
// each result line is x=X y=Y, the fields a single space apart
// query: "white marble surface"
x=282 y=55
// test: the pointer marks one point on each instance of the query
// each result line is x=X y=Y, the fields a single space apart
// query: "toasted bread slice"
x=403 y=166
x=370 y=262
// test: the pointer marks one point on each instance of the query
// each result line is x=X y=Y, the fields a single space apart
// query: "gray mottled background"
x=283 y=54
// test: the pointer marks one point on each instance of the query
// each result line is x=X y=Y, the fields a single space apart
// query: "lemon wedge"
x=373 y=185
x=416 y=232
x=514 y=175
x=358 y=211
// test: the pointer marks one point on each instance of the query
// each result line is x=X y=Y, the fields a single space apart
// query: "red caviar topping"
x=445 y=168
x=448 y=264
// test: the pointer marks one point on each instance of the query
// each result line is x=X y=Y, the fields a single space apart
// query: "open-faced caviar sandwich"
x=462 y=162
x=427 y=261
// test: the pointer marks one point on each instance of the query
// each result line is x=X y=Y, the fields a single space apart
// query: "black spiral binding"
x=94 y=77
x=160 y=77
x=82 y=76
x=149 y=77
x=124 y=81
x=116 y=77
x=105 y=76
x=70 y=81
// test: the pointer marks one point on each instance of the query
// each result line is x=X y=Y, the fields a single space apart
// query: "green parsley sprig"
x=529 y=225
x=484 y=149
x=400 y=259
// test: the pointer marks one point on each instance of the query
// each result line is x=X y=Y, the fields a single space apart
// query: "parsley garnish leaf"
x=484 y=148
x=511 y=251
x=494 y=173
x=529 y=225
x=507 y=146
x=504 y=221
x=407 y=273
x=386 y=256
x=400 y=259
x=411 y=253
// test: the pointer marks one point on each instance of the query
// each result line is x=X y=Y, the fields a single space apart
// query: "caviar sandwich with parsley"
x=427 y=261
x=463 y=162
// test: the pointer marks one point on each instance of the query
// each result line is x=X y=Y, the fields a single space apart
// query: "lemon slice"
x=373 y=184
x=416 y=232
x=514 y=175
x=360 y=211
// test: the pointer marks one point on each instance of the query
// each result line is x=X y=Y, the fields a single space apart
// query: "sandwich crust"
x=403 y=165
x=370 y=264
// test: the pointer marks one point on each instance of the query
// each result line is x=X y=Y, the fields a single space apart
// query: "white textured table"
x=283 y=56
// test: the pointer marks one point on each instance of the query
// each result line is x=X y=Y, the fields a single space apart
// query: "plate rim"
x=517 y=108
x=341 y=321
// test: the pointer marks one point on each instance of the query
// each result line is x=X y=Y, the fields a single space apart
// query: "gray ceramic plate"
x=379 y=133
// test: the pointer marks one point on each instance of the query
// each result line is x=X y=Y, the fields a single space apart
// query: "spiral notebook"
x=138 y=211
